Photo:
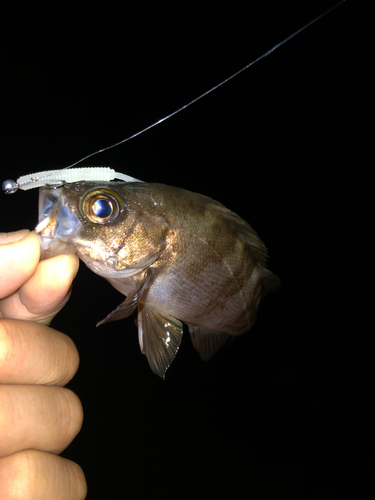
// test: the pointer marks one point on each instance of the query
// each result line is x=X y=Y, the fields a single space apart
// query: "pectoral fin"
x=130 y=304
x=159 y=337
x=207 y=343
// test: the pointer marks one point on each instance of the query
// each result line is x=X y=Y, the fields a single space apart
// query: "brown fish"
x=177 y=256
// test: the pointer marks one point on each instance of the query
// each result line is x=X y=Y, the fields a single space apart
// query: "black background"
x=272 y=145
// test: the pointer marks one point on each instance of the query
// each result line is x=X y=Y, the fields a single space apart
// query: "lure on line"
x=106 y=174
x=55 y=178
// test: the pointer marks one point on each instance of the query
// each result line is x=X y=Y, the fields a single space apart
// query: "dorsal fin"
x=270 y=282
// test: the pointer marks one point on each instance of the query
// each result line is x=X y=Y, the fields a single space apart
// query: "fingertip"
x=47 y=291
x=6 y=238
x=34 y=354
x=61 y=269
x=37 y=474
x=19 y=257
x=29 y=244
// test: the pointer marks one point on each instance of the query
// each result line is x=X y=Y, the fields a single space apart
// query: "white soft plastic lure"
x=64 y=176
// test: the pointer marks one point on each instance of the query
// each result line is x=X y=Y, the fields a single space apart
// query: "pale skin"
x=38 y=416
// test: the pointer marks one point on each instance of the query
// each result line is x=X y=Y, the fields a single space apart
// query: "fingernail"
x=6 y=238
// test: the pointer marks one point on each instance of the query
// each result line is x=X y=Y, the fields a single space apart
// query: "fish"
x=177 y=256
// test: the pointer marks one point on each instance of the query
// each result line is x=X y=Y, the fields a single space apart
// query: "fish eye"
x=101 y=206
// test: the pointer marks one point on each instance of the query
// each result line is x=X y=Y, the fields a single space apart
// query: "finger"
x=45 y=292
x=32 y=474
x=31 y=353
x=18 y=260
x=40 y=417
x=6 y=238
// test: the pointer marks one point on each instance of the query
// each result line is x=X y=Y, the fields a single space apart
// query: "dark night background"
x=270 y=145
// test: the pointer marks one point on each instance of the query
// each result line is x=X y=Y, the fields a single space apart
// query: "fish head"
x=107 y=224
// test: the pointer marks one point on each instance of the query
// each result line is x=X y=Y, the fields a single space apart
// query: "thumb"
x=33 y=290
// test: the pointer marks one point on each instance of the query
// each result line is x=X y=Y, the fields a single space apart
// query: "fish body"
x=176 y=255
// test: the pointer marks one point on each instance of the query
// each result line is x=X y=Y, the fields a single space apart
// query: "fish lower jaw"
x=106 y=271
x=53 y=247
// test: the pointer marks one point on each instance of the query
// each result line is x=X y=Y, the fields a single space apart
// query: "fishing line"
x=275 y=47
x=104 y=174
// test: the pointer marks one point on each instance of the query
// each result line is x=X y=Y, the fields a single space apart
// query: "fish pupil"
x=102 y=208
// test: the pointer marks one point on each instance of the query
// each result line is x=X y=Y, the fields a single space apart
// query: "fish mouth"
x=56 y=223
x=52 y=247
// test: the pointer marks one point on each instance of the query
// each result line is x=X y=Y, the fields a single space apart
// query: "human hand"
x=38 y=416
